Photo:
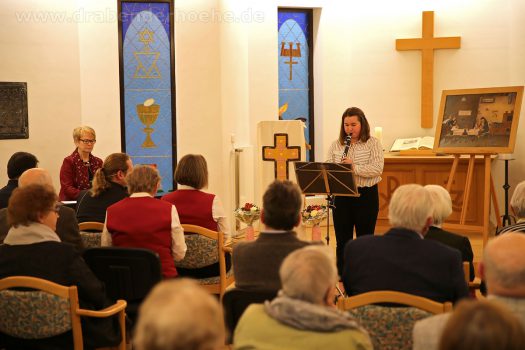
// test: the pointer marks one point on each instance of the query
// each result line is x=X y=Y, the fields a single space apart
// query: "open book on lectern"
x=326 y=178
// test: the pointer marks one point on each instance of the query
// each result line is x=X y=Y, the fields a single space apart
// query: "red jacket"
x=74 y=175
x=194 y=207
x=143 y=222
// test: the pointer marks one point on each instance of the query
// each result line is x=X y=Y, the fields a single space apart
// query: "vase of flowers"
x=313 y=215
x=248 y=214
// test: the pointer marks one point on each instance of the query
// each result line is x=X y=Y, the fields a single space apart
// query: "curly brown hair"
x=27 y=203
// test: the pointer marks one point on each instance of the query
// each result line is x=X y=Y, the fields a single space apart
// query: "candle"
x=378 y=132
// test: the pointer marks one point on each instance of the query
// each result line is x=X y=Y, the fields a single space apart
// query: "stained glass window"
x=295 y=70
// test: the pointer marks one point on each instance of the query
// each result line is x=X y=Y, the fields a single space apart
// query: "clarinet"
x=348 y=139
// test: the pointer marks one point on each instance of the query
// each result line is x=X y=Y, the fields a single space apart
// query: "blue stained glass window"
x=147 y=89
x=295 y=77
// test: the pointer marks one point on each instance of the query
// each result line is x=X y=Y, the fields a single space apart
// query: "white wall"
x=99 y=73
x=44 y=52
x=226 y=72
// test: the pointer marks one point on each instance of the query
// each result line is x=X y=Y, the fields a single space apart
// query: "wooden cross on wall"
x=281 y=155
x=427 y=44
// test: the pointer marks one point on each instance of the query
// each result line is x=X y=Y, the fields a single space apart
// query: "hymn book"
x=415 y=143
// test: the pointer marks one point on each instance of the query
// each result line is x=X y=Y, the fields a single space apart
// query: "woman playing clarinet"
x=355 y=146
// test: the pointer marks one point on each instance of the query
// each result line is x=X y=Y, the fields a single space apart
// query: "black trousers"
x=359 y=212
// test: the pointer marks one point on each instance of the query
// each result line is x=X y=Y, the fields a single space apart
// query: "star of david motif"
x=143 y=71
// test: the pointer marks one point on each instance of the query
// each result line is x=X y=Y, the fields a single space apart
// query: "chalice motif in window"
x=148 y=113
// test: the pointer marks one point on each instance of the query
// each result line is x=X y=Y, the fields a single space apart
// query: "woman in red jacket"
x=196 y=207
x=79 y=167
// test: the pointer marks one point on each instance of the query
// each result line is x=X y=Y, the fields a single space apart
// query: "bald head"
x=503 y=265
x=35 y=176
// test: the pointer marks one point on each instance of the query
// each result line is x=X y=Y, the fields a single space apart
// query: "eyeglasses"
x=88 y=142
x=57 y=207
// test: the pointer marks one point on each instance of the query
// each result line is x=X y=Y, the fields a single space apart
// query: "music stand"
x=326 y=178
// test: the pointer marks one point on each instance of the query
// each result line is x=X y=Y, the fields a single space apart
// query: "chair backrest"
x=235 y=301
x=90 y=233
x=390 y=327
x=91 y=226
x=388 y=296
x=34 y=308
x=202 y=251
x=213 y=249
x=128 y=273
x=47 y=309
x=91 y=239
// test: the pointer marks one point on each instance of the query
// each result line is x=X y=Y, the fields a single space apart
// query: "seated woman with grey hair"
x=442 y=209
x=141 y=221
x=303 y=315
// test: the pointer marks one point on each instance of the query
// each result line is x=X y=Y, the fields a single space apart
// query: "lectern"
x=331 y=179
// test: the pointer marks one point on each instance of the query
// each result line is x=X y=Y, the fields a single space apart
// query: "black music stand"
x=326 y=178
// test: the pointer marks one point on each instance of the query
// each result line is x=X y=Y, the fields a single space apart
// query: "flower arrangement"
x=247 y=214
x=314 y=214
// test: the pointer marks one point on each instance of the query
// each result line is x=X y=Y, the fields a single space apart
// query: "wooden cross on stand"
x=281 y=155
x=427 y=44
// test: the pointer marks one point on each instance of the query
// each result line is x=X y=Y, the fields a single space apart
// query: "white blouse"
x=367 y=160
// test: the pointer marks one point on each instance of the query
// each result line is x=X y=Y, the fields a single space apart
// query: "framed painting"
x=13 y=111
x=147 y=85
x=482 y=121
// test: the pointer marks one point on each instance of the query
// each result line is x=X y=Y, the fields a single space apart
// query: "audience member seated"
x=503 y=269
x=67 y=225
x=16 y=165
x=109 y=186
x=196 y=207
x=482 y=325
x=179 y=315
x=256 y=264
x=401 y=260
x=517 y=204
x=32 y=248
x=141 y=221
x=303 y=315
x=442 y=209
x=79 y=167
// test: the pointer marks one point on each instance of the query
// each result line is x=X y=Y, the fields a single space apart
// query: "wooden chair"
x=206 y=247
x=91 y=226
x=390 y=327
x=48 y=309
x=90 y=233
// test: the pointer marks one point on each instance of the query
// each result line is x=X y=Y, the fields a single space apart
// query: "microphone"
x=348 y=139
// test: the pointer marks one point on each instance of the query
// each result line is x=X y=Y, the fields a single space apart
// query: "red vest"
x=194 y=207
x=143 y=222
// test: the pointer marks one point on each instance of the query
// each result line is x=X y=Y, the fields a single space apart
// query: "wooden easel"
x=488 y=193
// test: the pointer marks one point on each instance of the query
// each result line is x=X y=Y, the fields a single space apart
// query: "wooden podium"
x=424 y=170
